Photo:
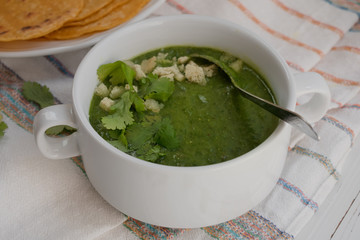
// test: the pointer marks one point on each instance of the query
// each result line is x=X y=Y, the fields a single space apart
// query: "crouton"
x=106 y=103
x=116 y=92
x=148 y=65
x=194 y=73
x=181 y=67
x=127 y=87
x=209 y=70
x=137 y=68
x=236 y=65
x=101 y=90
x=153 y=105
x=161 y=56
x=164 y=72
x=170 y=72
x=183 y=59
x=139 y=72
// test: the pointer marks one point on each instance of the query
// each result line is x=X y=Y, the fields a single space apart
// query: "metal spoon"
x=284 y=114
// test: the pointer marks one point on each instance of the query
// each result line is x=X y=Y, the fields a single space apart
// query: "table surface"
x=338 y=218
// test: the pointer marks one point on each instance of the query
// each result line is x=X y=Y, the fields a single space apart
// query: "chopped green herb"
x=138 y=102
x=119 y=145
x=160 y=89
x=3 y=126
x=121 y=115
x=149 y=152
x=166 y=136
x=41 y=95
x=60 y=129
x=117 y=72
x=37 y=93
x=139 y=133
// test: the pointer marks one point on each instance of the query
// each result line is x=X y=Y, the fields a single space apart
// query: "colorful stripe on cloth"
x=308 y=18
x=335 y=79
x=179 y=7
x=325 y=161
x=16 y=107
x=12 y=103
x=355 y=106
x=297 y=191
x=59 y=66
x=274 y=32
x=349 y=5
x=333 y=121
x=148 y=231
x=248 y=226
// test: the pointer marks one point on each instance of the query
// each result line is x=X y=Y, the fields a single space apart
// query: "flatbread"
x=118 y=16
x=27 y=19
x=90 y=7
x=97 y=15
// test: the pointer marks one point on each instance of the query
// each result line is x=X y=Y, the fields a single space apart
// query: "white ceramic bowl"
x=180 y=197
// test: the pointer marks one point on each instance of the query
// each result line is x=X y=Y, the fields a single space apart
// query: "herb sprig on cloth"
x=3 y=126
x=41 y=95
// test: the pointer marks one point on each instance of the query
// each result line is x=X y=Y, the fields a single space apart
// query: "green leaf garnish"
x=160 y=89
x=41 y=95
x=56 y=130
x=117 y=72
x=149 y=152
x=106 y=69
x=166 y=136
x=121 y=115
x=138 y=134
x=37 y=93
x=138 y=102
x=119 y=145
x=118 y=120
x=3 y=126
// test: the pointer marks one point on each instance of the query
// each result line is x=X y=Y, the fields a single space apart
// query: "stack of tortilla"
x=65 y=19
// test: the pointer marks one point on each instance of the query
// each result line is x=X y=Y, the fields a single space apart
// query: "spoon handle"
x=284 y=114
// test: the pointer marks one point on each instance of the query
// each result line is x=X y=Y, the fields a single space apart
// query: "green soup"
x=198 y=124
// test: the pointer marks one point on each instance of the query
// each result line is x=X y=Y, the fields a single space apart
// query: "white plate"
x=32 y=48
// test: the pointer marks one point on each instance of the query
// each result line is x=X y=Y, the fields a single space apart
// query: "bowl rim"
x=84 y=121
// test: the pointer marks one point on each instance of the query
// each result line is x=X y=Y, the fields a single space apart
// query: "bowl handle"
x=312 y=83
x=56 y=147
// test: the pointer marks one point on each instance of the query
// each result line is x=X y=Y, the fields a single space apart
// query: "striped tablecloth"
x=46 y=199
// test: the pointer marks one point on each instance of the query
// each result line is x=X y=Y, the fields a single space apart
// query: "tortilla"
x=97 y=15
x=27 y=19
x=90 y=7
x=118 y=16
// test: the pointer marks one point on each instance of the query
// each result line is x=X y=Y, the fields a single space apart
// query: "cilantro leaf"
x=118 y=73
x=149 y=152
x=138 y=102
x=37 y=93
x=160 y=89
x=118 y=120
x=122 y=116
x=123 y=139
x=41 y=95
x=119 y=145
x=106 y=69
x=3 y=126
x=56 y=130
x=166 y=135
x=138 y=134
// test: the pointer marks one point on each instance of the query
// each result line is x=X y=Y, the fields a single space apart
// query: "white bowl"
x=179 y=197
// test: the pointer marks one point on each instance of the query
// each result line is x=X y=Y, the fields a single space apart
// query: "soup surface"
x=180 y=111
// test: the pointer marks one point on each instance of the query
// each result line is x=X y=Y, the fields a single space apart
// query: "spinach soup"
x=170 y=108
